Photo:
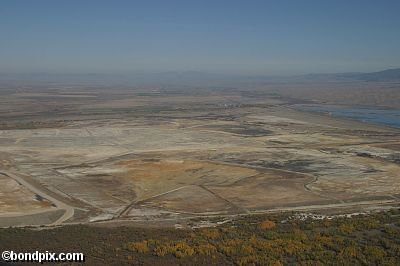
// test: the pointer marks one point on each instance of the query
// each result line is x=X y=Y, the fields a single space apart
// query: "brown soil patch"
x=152 y=177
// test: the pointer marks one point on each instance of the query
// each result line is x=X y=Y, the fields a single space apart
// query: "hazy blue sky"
x=251 y=37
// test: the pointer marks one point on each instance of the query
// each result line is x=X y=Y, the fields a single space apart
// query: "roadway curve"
x=69 y=211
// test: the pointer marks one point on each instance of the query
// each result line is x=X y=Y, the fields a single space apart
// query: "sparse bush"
x=267 y=225
x=141 y=247
x=206 y=249
x=179 y=249
x=346 y=228
x=211 y=233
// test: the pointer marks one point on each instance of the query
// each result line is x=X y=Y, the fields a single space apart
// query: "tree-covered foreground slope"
x=372 y=239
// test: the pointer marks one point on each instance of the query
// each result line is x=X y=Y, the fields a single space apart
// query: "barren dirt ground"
x=132 y=155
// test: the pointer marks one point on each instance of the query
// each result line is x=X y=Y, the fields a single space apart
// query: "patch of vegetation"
x=251 y=240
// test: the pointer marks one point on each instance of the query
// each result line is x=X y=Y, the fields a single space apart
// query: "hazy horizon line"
x=156 y=72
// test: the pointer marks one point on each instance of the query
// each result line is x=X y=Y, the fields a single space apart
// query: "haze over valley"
x=185 y=133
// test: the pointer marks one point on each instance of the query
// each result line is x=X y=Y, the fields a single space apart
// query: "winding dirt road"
x=69 y=211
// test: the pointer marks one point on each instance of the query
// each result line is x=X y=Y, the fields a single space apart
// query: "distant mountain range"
x=384 y=75
x=197 y=78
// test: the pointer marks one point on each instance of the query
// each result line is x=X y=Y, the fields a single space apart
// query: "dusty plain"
x=156 y=156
